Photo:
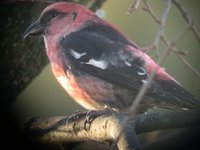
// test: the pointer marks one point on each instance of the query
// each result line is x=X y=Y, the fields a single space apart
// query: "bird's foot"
x=92 y=115
x=74 y=117
x=89 y=116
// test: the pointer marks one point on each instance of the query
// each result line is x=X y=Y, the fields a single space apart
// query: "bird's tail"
x=178 y=96
x=189 y=100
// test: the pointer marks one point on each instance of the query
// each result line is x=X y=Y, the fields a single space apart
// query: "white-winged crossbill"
x=98 y=65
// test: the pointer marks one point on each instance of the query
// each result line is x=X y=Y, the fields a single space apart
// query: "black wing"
x=98 y=51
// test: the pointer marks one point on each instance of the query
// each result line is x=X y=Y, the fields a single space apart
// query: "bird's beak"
x=34 y=29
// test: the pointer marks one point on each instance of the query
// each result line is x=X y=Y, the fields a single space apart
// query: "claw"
x=74 y=118
x=92 y=115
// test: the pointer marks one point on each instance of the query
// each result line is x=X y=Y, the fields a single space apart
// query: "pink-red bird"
x=99 y=66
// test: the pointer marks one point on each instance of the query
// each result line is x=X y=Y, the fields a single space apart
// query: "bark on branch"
x=106 y=127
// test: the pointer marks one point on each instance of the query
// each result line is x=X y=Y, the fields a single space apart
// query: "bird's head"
x=60 y=19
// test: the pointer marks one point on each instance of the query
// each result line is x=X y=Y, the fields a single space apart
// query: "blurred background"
x=44 y=96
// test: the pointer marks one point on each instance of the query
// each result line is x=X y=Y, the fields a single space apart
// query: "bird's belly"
x=88 y=91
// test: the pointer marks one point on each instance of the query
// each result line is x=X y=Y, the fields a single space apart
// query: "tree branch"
x=106 y=127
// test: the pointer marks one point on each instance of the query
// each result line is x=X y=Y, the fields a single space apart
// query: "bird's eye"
x=53 y=15
x=47 y=16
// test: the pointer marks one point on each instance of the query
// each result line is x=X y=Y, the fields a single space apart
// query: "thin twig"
x=148 y=8
x=134 y=6
x=167 y=43
x=180 y=56
x=149 y=80
x=161 y=30
x=144 y=88
x=161 y=22
x=180 y=34
x=160 y=61
x=188 y=19
x=189 y=66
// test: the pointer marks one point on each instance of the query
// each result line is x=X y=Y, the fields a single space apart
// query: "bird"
x=99 y=66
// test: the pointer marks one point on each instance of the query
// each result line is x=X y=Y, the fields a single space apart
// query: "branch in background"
x=161 y=22
x=135 y=4
x=147 y=8
x=178 y=53
x=106 y=127
x=161 y=30
x=180 y=56
x=188 y=19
